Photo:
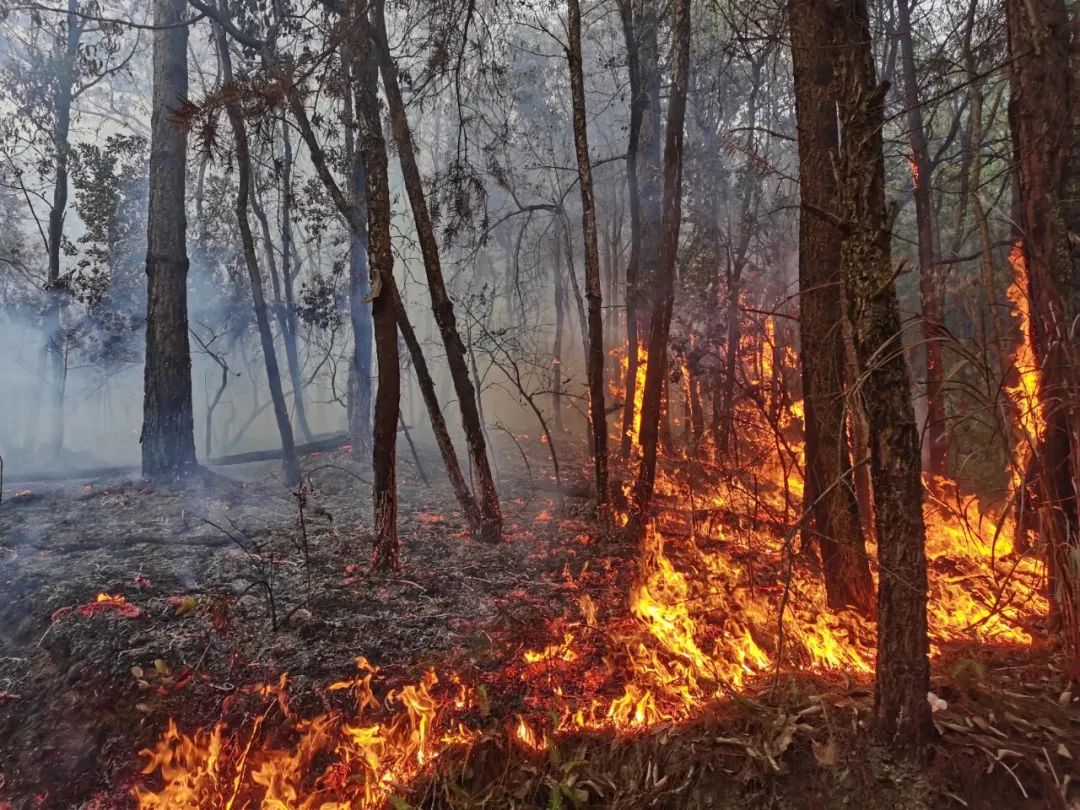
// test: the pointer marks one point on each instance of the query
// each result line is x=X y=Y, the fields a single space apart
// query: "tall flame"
x=1025 y=391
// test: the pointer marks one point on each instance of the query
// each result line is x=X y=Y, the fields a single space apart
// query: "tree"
x=595 y=352
x=922 y=169
x=829 y=498
x=231 y=95
x=168 y=433
x=365 y=81
x=664 y=294
x=640 y=24
x=46 y=74
x=359 y=399
x=902 y=672
x=1044 y=112
x=441 y=305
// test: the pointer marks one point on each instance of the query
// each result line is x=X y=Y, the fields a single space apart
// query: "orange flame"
x=1024 y=393
x=700 y=618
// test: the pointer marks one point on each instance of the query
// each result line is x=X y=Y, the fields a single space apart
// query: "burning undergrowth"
x=652 y=638
x=565 y=667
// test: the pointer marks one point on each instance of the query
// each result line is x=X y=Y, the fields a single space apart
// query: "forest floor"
x=220 y=584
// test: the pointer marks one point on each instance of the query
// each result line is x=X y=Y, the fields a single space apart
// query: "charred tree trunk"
x=830 y=502
x=365 y=75
x=902 y=714
x=656 y=369
x=442 y=306
x=595 y=338
x=290 y=466
x=168 y=434
x=937 y=437
x=1042 y=117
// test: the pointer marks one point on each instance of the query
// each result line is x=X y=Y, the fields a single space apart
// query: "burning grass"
x=585 y=671
x=708 y=613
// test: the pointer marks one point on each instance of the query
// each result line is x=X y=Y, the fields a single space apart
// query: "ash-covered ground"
x=229 y=580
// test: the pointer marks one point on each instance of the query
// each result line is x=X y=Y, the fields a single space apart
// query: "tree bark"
x=1043 y=111
x=442 y=306
x=168 y=436
x=365 y=75
x=902 y=714
x=633 y=265
x=833 y=513
x=595 y=339
x=651 y=163
x=656 y=368
x=358 y=401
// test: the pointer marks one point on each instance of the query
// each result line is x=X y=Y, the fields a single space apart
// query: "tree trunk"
x=54 y=337
x=832 y=511
x=288 y=276
x=651 y=162
x=365 y=76
x=656 y=368
x=937 y=436
x=902 y=714
x=633 y=264
x=358 y=401
x=290 y=465
x=595 y=352
x=556 y=363
x=347 y=208
x=441 y=305
x=1042 y=112
x=168 y=435
x=282 y=309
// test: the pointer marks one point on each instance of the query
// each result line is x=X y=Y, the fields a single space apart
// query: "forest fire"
x=455 y=404
x=714 y=609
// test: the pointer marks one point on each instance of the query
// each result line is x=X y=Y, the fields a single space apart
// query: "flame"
x=713 y=606
x=559 y=651
x=1024 y=392
x=618 y=390
x=913 y=165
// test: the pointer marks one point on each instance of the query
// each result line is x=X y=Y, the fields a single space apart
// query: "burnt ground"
x=85 y=685
x=198 y=566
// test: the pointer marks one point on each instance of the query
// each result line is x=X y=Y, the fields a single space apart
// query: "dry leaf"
x=825 y=753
